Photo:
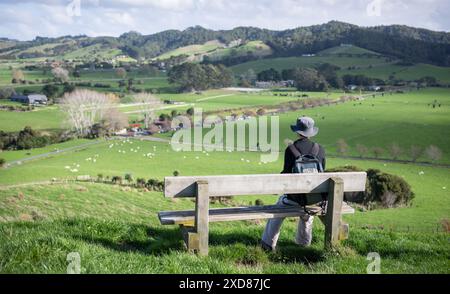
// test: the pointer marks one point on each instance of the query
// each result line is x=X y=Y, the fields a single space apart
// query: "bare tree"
x=17 y=76
x=113 y=98
x=84 y=108
x=342 y=147
x=395 y=150
x=121 y=73
x=148 y=103
x=362 y=150
x=377 y=151
x=115 y=120
x=433 y=153
x=415 y=152
x=60 y=74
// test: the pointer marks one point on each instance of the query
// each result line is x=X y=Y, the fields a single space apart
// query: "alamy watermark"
x=374 y=266
x=74 y=263
x=374 y=8
x=230 y=134
x=74 y=8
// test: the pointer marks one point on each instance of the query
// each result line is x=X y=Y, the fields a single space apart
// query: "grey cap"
x=305 y=127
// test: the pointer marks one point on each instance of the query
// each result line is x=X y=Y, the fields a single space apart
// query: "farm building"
x=30 y=99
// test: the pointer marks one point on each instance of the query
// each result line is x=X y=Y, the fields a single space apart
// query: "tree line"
x=199 y=77
x=412 y=44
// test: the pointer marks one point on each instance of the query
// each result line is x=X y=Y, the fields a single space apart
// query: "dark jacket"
x=305 y=146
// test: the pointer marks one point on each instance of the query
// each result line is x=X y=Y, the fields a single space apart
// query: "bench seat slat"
x=241 y=213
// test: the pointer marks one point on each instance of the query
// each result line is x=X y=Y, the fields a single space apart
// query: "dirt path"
x=213 y=97
x=47 y=154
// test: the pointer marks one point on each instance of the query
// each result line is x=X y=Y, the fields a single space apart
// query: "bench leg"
x=344 y=228
x=333 y=216
x=202 y=217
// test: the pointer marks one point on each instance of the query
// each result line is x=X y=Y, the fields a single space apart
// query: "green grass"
x=91 y=52
x=115 y=230
x=374 y=67
x=405 y=119
x=258 y=48
x=40 y=118
x=354 y=50
x=20 y=154
x=281 y=63
x=216 y=50
x=192 y=50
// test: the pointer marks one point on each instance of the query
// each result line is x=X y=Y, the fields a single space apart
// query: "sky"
x=26 y=19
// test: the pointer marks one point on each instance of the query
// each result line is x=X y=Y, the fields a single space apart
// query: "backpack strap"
x=315 y=149
x=294 y=151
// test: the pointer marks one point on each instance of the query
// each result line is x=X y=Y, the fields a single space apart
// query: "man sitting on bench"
x=303 y=146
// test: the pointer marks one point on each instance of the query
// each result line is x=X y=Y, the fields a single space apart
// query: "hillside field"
x=373 y=67
x=45 y=214
x=42 y=223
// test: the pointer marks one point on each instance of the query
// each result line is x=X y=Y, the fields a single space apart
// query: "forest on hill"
x=402 y=42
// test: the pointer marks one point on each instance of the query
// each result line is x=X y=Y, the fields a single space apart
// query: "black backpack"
x=307 y=163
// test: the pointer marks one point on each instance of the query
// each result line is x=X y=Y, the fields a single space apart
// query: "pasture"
x=373 y=67
x=404 y=119
x=45 y=214
x=115 y=228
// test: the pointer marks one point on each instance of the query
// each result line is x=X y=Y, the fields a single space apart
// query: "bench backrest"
x=234 y=185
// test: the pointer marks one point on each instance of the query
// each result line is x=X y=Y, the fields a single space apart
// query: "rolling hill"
x=401 y=42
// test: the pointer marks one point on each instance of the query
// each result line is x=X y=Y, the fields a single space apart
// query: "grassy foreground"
x=115 y=230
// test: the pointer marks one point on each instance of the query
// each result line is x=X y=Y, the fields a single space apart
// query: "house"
x=352 y=87
x=30 y=99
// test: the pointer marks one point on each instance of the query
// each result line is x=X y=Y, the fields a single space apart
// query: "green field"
x=216 y=50
x=41 y=224
x=40 y=119
x=192 y=50
x=281 y=63
x=339 y=50
x=92 y=52
x=257 y=48
x=374 y=67
x=45 y=214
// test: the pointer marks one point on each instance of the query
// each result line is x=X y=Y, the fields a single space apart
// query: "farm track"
x=159 y=108
x=47 y=154
x=213 y=97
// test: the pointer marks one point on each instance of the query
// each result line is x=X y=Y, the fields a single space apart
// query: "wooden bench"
x=195 y=223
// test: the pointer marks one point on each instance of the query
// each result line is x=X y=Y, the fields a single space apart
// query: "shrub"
x=117 y=180
x=140 y=182
x=384 y=189
x=381 y=183
x=155 y=185
x=259 y=202
x=2 y=162
x=129 y=178
x=100 y=178
x=176 y=173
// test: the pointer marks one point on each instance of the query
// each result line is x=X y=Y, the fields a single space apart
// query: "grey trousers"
x=304 y=228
